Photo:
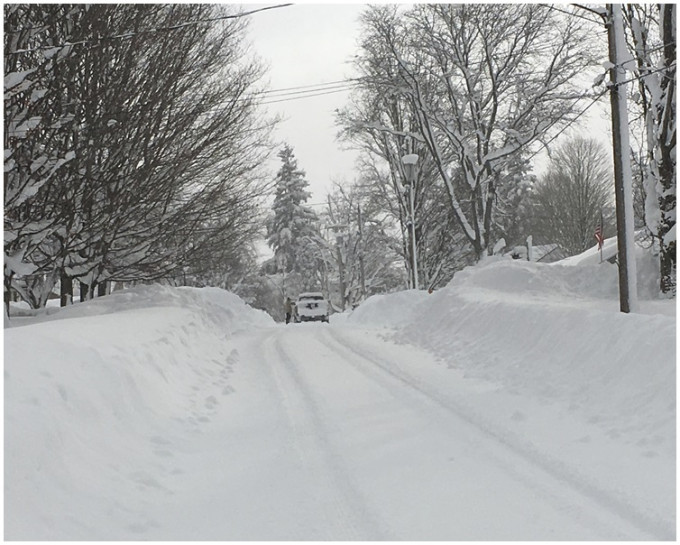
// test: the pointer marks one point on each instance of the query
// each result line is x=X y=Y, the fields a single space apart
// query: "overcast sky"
x=305 y=45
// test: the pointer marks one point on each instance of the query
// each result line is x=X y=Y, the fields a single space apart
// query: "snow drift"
x=549 y=330
x=589 y=386
x=99 y=382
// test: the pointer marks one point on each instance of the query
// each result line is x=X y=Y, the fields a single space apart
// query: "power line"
x=593 y=102
x=311 y=93
x=572 y=14
x=600 y=95
x=279 y=94
x=650 y=73
x=312 y=85
x=591 y=10
x=285 y=97
x=128 y=35
x=307 y=96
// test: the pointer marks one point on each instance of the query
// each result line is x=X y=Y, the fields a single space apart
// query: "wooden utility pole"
x=362 y=273
x=623 y=177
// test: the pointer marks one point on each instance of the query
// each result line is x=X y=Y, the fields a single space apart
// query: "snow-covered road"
x=162 y=413
x=328 y=437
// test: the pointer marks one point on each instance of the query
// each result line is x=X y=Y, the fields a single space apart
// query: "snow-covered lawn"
x=515 y=404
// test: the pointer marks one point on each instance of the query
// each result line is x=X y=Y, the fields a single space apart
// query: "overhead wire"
x=591 y=10
x=592 y=103
x=552 y=7
x=281 y=93
x=345 y=89
x=128 y=35
x=269 y=97
x=569 y=124
x=312 y=85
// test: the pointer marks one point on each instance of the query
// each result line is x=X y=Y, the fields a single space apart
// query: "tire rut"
x=386 y=375
x=346 y=516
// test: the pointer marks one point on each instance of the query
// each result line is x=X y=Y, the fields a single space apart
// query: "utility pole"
x=362 y=274
x=340 y=231
x=623 y=177
x=341 y=267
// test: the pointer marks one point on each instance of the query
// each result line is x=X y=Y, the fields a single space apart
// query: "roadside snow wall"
x=551 y=332
x=99 y=382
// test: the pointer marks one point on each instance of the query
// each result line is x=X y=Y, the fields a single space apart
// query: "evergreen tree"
x=292 y=225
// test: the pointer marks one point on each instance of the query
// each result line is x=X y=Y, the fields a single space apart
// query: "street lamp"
x=410 y=162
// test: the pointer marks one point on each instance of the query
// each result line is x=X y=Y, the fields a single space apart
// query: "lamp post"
x=410 y=162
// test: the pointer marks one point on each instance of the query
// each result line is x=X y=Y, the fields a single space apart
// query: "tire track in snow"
x=383 y=372
x=346 y=516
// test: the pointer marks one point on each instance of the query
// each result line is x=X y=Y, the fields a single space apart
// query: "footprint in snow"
x=62 y=392
x=142 y=527
x=137 y=528
x=145 y=480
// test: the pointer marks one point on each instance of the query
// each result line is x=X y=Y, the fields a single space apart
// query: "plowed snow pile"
x=586 y=385
x=97 y=384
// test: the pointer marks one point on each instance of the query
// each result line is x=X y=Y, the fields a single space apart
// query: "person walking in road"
x=288 y=309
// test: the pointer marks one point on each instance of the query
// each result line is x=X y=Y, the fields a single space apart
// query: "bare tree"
x=36 y=141
x=485 y=81
x=153 y=126
x=384 y=128
x=362 y=254
x=570 y=199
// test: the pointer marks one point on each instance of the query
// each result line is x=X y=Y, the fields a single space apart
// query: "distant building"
x=548 y=253
x=544 y=253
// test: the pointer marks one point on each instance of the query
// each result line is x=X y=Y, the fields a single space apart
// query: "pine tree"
x=293 y=225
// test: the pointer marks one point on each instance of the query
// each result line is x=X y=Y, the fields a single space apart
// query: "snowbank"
x=553 y=358
x=99 y=377
x=393 y=310
x=550 y=331
x=542 y=332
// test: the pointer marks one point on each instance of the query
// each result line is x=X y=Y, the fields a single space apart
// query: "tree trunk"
x=8 y=293
x=66 y=290
x=667 y=139
x=84 y=292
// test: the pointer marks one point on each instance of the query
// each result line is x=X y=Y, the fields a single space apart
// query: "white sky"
x=309 y=44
